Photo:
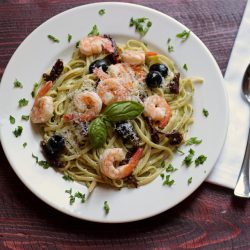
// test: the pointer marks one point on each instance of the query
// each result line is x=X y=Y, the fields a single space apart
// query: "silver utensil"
x=242 y=186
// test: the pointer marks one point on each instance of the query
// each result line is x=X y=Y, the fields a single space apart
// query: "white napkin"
x=227 y=168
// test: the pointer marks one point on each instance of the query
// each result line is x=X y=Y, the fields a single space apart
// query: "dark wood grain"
x=210 y=218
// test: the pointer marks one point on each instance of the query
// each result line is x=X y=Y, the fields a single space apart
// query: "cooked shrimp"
x=95 y=45
x=111 y=90
x=113 y=155
x=133 y=57
x=88 y=104
x=157 y=109
x=122 y=71
x=42 y=109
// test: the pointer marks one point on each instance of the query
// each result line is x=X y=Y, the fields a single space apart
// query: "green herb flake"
x=170 y=47
x=44 y=164
x=188 y=160
x=25 y=117
x=17 y=84
x=170 y=168
x=69 y=38
x=69 y=191
x=24 y=144
x=106 y=207
x=80 y=196
x=67 y=177
x=162 y=176
x=184 y=35
x=205 y=112
x=185 y=67
x=145 y=44
x=180 y=151
x=163 y=164
x=193 y=141
x=35 y=88
x=23 y=102
x=53 y=39
x=101 y=12
x=71 y=199
x=142 y=25
x=189 y=180
x=18 y=131
x=200 y=160
x=94 y=31
x=41 y=163
x=168 y=182
x=35 y=157
x=12 y=119
x=77 y=44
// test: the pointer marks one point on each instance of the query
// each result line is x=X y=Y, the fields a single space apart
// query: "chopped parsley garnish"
x=205 y=112
x=80 y=196
x=23 y=102
x=193 y=141
x=77 y=44
x=163 y=164
x=106 y=207
x=17 y=84
x=12 y=119
x=170 y=168
x=35 y=88
x=180 y=151
x=68 y=191
x=69 y=38
x=142 y=25
x=190 y=180
x=53 y=39
x=185 y=67
x=101 y=12
x=200 y=160
x=168 y=182
x=188 y=160
x=184 y=35
x=72 y=197
x=24 y=144
x=67 y=178
x=170 y=47
x=18 y=131
x=145 y=44
x=162 y=176
x=25 y=117
x=94 y=31
x=41 y=163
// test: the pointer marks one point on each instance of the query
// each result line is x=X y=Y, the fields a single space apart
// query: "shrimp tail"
x=165 y=120
x=136 y=157
x=44 y=89
x=150 y=53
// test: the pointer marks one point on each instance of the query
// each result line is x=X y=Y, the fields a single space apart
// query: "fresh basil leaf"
x=122 y=111
x=97 y=132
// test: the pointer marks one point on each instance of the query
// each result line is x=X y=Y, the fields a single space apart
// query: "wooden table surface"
x=211 y=218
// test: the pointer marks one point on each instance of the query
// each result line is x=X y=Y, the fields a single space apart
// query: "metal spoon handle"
x=242 y=185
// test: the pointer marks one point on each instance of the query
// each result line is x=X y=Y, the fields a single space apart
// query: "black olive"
x=153 y=79
x=103 y=63
x=161 y=68
x=126 y=131
x=55 y=144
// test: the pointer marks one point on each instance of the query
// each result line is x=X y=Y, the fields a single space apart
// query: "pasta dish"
x=114 y=114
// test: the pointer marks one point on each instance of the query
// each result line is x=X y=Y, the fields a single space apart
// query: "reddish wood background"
x=212 y=218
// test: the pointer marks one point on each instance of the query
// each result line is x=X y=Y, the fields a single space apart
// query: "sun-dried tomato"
x=55 y=71
x=174 y=137
x=174 y=84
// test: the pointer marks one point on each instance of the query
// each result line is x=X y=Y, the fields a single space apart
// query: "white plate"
x=37 y=54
